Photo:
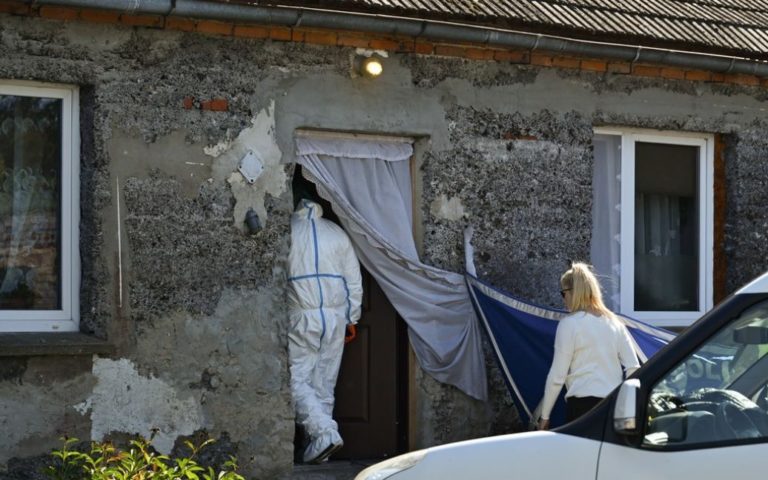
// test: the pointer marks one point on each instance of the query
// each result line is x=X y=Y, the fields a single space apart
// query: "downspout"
x=430 y=30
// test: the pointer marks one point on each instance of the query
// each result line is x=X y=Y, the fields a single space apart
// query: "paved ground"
x=333 y=470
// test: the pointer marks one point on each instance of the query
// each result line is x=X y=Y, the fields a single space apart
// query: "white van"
x=662 y=423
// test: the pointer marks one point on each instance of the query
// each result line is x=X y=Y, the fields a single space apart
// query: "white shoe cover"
x=322 y=447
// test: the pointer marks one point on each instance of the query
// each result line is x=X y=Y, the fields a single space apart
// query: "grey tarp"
x=369 y=187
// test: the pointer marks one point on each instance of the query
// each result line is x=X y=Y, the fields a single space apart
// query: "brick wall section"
x=720 y=270
x=377 y=42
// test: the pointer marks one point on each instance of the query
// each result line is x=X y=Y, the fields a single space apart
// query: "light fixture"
x=370 y=67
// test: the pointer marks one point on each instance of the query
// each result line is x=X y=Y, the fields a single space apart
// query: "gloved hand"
x=350 y=334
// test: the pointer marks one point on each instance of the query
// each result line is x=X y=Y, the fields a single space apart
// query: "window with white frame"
x=653 y=223
x=39 y=207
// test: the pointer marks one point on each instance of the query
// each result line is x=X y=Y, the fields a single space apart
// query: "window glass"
x=30 y=203
x=720 y=392
x=666 y=227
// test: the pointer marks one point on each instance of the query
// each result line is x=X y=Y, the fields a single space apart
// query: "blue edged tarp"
x=523 y=338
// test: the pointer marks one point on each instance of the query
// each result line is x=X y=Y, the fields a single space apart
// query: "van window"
x=717 y=394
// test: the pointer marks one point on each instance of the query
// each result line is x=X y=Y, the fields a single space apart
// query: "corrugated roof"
x=714 y=26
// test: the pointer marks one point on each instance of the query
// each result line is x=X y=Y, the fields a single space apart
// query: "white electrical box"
x=251 y=166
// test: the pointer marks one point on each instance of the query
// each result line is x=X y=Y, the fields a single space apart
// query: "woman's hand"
x=543 y=424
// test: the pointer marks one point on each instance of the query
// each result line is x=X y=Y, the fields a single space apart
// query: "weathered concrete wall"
x=519 y=169
x=199 y=320
x=200 y=328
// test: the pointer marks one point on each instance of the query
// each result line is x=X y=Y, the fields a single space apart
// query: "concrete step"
x=333 y=470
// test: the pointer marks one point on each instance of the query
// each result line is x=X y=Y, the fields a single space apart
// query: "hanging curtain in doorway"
x=369 y=186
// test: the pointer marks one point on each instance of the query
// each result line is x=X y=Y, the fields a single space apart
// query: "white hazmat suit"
x=324 y=296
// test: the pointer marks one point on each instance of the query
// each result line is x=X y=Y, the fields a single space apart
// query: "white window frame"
x=66 y=319
x=705 y=142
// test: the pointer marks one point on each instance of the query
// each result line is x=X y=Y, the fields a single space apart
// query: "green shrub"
x=136 y=462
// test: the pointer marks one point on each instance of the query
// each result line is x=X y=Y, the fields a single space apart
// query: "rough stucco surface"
x=529 y=218
x=200 y=330
x=747 y=224
x=519 y=162
x=200 y=336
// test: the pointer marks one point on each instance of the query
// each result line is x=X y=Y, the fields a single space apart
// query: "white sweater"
x=589 y=354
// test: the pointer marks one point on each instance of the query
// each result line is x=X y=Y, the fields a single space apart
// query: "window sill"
x=44 y=344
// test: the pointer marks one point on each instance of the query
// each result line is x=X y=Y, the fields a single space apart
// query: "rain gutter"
x=435 y=31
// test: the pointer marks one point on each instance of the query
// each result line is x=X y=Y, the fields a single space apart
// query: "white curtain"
x=29 y=137
x=665 y=261
x=369 y=187
x=606 y=216
x=657 y=225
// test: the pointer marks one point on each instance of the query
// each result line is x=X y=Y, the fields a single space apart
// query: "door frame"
x=406 y=368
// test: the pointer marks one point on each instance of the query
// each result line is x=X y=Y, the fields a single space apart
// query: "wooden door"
x=370 y=391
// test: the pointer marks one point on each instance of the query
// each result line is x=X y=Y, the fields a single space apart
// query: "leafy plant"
x=138 y=461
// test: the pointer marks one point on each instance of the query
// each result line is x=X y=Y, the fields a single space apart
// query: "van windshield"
x=719 y=392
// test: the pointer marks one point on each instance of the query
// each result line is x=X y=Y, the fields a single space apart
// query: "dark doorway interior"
x=371 y=392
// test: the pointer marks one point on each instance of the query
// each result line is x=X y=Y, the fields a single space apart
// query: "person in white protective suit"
x=324 y=296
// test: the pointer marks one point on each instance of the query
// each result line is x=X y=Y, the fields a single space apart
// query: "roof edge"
x=433 y=30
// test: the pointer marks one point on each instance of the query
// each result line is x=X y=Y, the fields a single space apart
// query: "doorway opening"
x=371 y=396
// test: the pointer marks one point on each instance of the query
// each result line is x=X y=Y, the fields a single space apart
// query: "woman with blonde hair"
x=591 y=346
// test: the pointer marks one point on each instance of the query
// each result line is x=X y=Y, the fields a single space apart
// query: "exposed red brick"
x=141 y=20
x=541 y=59
x=99 y=16
x=720 y=261
x=350 y=40
x=424 y=48
x=188 y=102
x=479 y=54
x=594 y=65
x=16 y=8
x=282 y=34
x=321 y=38
x=450 y=51
x=249 y=31
x=619 y=67
x=183 y=24
x=215 y=105
x=717 y=77
x=214 y=28
x=58 y=13
x=752 y=80
x=646 y=71
x=676 y=73
x=407 y=46
x=741 y=79
x=382 y=44
x=698 y=75
x=566 y=62
x=513 y=56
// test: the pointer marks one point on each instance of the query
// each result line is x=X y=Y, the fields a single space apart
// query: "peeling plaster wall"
x=200 y=322
x=125 y=401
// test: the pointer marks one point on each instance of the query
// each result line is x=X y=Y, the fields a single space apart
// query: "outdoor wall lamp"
x=370 y=67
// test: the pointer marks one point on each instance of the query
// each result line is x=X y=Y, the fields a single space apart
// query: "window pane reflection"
x=30 y=198
x=666 y=227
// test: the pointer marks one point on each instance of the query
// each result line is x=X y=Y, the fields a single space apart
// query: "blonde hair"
x=586 y=294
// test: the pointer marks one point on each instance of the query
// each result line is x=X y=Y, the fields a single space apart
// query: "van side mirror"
x=625 y=409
